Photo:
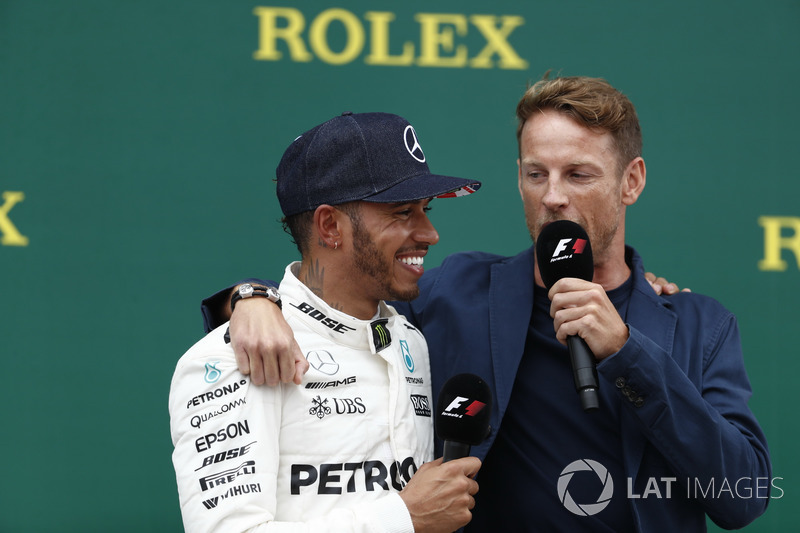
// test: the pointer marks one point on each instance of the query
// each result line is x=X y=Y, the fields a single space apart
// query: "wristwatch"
x=248 y=291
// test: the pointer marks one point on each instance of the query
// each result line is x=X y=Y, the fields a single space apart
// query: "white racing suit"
x=328 y=455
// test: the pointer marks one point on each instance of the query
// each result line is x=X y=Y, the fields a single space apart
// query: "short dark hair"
x=299 y=226
x=592 y=102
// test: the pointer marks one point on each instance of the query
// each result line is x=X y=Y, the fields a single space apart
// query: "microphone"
x=563 y=251
x=462 y=414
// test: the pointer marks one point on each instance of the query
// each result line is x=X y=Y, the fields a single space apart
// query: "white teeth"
x=416 y=261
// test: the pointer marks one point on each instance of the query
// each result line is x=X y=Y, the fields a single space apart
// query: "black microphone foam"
x=563 y=250
x=462 y=414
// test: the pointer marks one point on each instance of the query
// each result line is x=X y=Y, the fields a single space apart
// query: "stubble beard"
x=368 y=260
x=600 y=236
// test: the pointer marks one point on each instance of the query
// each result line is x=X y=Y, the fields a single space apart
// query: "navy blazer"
x=680 y=377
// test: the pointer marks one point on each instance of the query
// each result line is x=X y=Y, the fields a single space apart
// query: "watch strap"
x=270 y=293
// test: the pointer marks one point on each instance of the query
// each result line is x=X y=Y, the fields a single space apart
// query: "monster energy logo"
x=380 y=334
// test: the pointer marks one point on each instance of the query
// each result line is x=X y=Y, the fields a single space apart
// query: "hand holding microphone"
x=563 y=251
x=462 y=414
x=441 y=494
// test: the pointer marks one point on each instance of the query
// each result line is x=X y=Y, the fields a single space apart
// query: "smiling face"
x=568 y=171
x=389 y=244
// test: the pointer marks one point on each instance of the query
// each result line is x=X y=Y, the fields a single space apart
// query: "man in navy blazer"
x=673 y=439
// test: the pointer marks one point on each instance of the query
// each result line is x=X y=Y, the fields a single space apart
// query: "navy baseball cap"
x=374 y=157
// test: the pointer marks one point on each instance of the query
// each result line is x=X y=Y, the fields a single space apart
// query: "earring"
x=336 y=245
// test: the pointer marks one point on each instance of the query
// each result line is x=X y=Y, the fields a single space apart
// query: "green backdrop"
x=138 y=142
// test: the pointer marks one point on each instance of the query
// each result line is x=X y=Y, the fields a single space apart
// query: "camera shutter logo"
x=585 y=509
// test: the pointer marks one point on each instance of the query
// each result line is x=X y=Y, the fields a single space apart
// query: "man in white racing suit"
x=351 y=448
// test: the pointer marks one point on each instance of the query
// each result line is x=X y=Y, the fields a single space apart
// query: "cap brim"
x=425 y=186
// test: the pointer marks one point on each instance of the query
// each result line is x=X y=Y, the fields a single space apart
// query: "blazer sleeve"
x=692 y=407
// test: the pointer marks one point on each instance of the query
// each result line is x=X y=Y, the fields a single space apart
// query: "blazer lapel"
x=510 y=308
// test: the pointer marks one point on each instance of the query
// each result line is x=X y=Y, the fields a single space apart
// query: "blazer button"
x=620 y=382
x=638 y=402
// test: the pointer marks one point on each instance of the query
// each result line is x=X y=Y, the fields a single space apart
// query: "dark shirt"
x=525 y=475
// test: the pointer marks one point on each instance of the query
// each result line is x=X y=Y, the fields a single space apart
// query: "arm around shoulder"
x=216 y=309
x=263 y=342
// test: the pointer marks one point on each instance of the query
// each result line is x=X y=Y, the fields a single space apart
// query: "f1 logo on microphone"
x=457 y=409
x=577 y=248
